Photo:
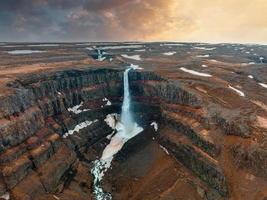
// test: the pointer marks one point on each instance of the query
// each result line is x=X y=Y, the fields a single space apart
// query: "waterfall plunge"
x=126 y=116
x=127 y=128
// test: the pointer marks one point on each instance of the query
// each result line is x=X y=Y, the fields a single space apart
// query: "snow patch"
x=108 y=102
x=263 y=85
x=204 y=66
x=195 y=72
x=78 y=127
x=76 y=109
x=172 y=44
x=133 y=57
x=205 y=48
x=213 y=60
x=203 y=56
x=111 y=120
x=155 y=126
x=5 y=196
x=19 y=52
x=164 y=149
x=169 y=53
x=240 y=93
x=250 y=76
x=134 y=67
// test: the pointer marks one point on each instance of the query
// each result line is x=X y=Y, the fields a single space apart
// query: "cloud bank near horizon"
x=133 y=20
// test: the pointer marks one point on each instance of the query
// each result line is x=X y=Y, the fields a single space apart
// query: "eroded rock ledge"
x=38 y=163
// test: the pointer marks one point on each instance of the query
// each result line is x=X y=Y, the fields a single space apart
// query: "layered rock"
x=37 y=160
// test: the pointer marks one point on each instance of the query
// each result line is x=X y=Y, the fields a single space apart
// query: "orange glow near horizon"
x=242 y=21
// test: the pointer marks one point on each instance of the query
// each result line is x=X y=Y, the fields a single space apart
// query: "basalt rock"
x=207 y=135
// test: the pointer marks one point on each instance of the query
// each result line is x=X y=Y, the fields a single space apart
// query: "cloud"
x=120 y=20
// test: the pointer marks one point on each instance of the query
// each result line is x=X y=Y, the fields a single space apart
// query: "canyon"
x=202 y=108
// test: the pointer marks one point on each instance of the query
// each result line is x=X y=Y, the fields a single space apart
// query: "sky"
x=242 y=21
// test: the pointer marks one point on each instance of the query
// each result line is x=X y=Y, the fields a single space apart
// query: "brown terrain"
x=212 y=138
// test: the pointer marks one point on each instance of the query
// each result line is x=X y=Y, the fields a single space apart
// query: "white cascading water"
x=126 y=128
x=126 y=116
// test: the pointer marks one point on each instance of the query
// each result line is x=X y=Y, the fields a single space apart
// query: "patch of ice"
x=240 y=93
x=250 y=76
x=263 y=85
x=203 y=56
x=164 y=149
x=78 y=127
x=169 y=53
x=19 y=52
x=76 y=109
x=205 y=48
x=195 y=72
x=155 y=126
x=133 y=57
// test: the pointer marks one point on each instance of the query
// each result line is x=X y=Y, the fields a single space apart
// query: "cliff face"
x=36 y=159
x=207 y=100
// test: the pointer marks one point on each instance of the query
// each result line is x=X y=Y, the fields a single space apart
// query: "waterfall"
x=126 y=129
x=126 y=116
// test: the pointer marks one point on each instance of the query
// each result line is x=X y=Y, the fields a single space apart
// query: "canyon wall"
x=37 y=160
